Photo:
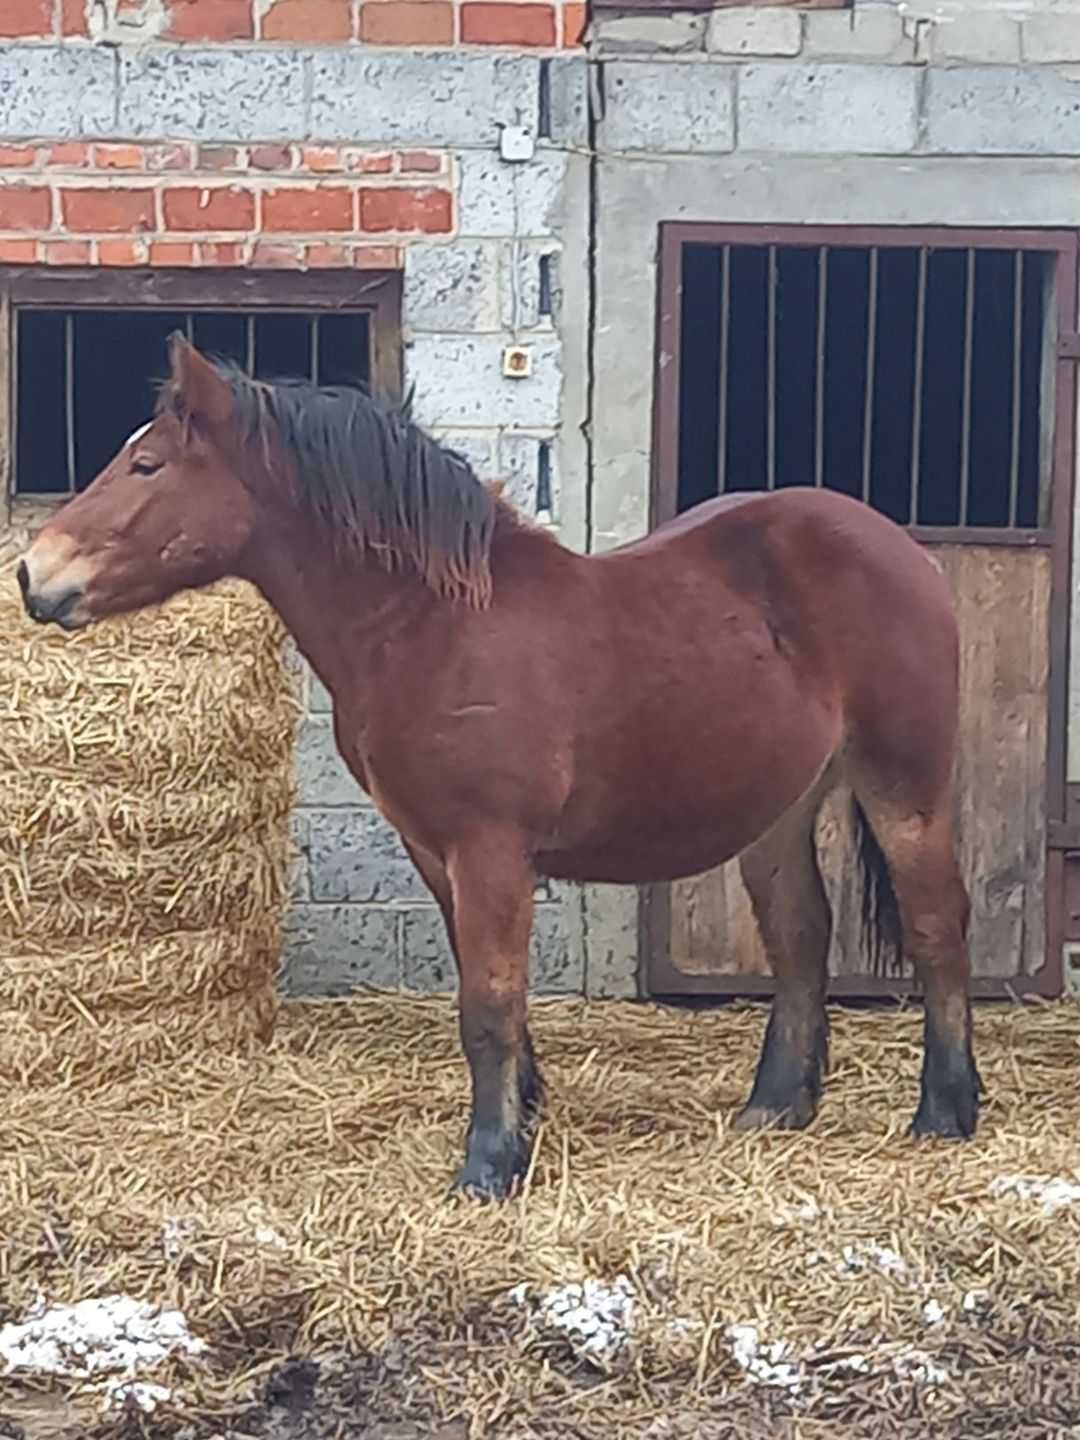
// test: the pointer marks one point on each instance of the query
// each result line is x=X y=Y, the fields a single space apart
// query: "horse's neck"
x=339 y=609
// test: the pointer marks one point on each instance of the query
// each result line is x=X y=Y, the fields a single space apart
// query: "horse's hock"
x=145 y=788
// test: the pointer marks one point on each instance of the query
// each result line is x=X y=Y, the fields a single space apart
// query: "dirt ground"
x=841 y=1282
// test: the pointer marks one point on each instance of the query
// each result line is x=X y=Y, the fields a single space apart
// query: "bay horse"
x=519 y=711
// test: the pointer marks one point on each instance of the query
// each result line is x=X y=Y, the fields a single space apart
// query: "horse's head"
x=171 y=511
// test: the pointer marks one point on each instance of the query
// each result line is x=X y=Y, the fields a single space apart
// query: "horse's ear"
x=202 y=393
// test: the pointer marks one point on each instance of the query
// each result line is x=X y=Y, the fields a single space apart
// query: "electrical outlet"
x=517 y=362
x=516 y=143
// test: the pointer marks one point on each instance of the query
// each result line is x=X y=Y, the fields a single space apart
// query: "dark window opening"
x=86 y=379
x=910 y=377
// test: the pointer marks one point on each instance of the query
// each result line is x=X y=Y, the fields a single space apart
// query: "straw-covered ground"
x=294 y=1207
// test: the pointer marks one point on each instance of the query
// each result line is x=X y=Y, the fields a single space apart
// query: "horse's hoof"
x=949 y=1104
x=493 y=1172
x=795 y=1116
x=482 y=1183
x=946 y=1118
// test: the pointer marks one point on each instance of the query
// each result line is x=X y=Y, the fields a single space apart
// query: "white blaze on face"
x=134 y=439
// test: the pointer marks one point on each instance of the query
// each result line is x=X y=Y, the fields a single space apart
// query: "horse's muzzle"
x=50 y=605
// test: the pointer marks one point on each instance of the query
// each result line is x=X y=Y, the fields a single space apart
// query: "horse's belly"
x=642 y=862
x=691 y=808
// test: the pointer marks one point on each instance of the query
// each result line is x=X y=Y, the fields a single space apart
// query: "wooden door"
x=1002 y=596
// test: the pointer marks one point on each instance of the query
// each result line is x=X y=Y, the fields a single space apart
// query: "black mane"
x=370 y=476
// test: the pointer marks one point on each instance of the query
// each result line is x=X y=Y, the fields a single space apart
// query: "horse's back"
x=834 y=569
x=864 y=613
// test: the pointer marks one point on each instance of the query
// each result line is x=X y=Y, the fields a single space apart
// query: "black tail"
x=882 y=935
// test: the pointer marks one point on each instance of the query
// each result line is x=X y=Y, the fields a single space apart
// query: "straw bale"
x=122 y=978
x=82 y=1046
x=145 y=788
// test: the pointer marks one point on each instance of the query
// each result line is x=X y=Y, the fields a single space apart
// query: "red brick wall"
x=267 y=206
x=275 y=206
x=516 y=23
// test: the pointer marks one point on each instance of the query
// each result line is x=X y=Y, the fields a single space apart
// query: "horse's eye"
x=144 y=465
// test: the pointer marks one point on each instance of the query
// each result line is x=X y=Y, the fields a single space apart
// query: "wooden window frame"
x=1062 y=878
x=375 y=293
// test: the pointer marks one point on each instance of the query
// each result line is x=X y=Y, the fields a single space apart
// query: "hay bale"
x=145 y=789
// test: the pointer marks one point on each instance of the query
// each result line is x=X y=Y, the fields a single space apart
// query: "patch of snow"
x=1051 y=1193
x=682 y=1326
x=176 y=1236
x=806 y=1212
x=977 y=1303
x=262 y=1232
x=868 y=1255
x=933 y=1312
x=112 y=1333
x=595 y=1318
x=918 y=1366
x=766 y=1363
x=858 y=1364
x=139 y=1393
x=267 y=1235
x=914 y=1365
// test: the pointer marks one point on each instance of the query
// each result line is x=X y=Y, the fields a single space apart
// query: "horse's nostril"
x=22 y=574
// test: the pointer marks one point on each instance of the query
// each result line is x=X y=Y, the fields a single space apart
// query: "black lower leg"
x=949 y=1095
x=507 y=1091
x=787 y=1085
x=783 y=879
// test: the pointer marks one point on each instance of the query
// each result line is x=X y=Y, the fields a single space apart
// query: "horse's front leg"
x=492 y=885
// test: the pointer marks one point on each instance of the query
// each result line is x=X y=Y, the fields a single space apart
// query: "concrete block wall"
x=270 y=135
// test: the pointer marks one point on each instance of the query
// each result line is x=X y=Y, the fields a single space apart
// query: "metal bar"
x=770 y=377
x=543 y=479
x=969 y=351
x=543 y=101
x=315 y=349
x=189 y=327
x=1016 y=539
x=871 y=360
x=1014 y=431
x=1050 y=369
x=9 y=397
x=819 y=369
x=251 y=345
x=917 y=384
x=725 y=332
x=69 y=399
x=543 y=304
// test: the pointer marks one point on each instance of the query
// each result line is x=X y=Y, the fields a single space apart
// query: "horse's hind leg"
x=792 y=910
x=933 y=903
